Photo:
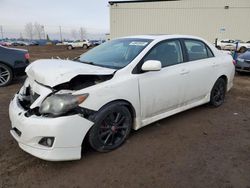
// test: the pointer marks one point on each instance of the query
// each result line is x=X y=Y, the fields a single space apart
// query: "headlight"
x=61 y=103
x=240 y=60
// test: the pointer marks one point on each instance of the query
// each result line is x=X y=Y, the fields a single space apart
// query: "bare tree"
x=29 y=30
x=38 y=30
x=21 y=36
x=82 y=33
x=74 y=34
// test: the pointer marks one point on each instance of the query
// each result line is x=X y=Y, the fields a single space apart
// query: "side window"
x=197 y=50
x=167 y=52
x=209 y=52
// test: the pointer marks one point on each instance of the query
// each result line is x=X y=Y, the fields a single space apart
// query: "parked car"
x=243 y=62
x=231 y=45
x=5 y=43
x=2 y=43
x=96 y=42
x=33 y=43
x=20 y=43
x=12 y=64
x=79 y=44
x=123 y=84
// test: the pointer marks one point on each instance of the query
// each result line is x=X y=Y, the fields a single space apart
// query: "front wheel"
x=218 y=93
x=85 y=46
x=112 y=127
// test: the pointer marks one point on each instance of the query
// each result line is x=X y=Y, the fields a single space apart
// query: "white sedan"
x=123 y=84
x=231 y=45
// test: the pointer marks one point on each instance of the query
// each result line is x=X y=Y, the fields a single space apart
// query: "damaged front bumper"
x=67 y=132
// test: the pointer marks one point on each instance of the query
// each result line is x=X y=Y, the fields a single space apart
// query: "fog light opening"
x=47 y=141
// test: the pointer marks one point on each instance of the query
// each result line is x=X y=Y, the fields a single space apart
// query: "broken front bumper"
x=68 y=133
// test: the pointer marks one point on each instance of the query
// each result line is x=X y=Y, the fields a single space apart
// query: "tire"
x=6 y=75
x=70 y=47
x=218 y=47
x=85 y=46
x=242 y=49
x=218 y=93
x=112 y=127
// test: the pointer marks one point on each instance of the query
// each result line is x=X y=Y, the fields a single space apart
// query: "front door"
x=160 y=91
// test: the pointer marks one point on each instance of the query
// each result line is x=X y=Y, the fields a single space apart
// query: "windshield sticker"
x=138 y=43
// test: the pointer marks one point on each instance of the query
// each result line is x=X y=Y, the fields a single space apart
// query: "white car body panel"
x=153 y=96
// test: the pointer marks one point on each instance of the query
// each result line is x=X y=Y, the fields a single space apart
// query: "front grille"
x=28 y=98
x=246 y=68
x=33 y=95
x=238 y=67
x=19 y=133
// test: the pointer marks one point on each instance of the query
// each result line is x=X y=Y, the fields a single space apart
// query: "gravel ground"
x=201 y=147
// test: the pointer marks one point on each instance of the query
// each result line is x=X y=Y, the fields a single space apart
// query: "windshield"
x=240 y=41
x=115 y=53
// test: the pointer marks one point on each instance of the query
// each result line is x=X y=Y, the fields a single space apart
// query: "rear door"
x=200 y=70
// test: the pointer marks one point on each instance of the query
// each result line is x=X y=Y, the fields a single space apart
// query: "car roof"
x=162 y=36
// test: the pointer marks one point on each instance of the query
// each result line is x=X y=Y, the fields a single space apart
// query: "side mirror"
x=151 y=65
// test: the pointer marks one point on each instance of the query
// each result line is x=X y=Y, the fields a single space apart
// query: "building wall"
x=207 y=19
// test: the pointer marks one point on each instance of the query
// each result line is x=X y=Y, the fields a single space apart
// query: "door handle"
x=184 y=71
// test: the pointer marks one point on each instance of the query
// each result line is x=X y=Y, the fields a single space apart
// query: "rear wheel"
x=70 y=47
x=112 y=127
x=218 y=92
x=218 y=47
x=6 y=75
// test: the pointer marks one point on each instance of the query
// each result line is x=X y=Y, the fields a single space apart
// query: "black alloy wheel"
x=112 y=127
x=218 y=93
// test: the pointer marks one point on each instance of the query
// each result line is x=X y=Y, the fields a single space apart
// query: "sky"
x=93 y=15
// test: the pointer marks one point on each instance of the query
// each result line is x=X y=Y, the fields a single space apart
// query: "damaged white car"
x=123 y=84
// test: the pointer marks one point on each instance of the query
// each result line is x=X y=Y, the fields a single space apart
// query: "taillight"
x=27 y=56
x=234 y=62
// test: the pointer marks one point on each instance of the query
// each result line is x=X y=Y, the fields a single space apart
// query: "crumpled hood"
x=51 y=72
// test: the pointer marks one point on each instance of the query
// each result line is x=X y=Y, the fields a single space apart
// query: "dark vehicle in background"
x=96 y=42
x=12 y=64
x=243 y=62
x=20 y=43
x=33 y=43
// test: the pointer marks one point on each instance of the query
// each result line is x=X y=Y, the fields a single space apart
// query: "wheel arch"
x=121 y=102
x=6 y=64
x=224 y=77
x=118 y=101
x=2 y=62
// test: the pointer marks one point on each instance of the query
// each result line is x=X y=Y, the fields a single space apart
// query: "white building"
x=209 y=19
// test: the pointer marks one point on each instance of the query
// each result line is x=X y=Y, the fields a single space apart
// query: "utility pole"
x=44 y=34
x=1 y=30
x=60 y=32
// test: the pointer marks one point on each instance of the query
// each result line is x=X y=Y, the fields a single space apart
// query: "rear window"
x=197 y=50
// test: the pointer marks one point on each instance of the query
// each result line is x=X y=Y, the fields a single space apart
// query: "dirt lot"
x=202 y=147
